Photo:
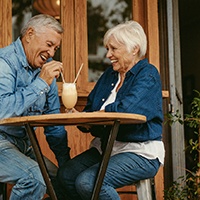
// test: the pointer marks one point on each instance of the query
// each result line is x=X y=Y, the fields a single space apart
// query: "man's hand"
x=51 y=70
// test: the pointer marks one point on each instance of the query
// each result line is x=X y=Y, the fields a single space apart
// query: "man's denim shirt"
x=140 y=93
x=23 y=93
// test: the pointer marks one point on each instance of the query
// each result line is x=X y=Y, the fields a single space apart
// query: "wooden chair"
x=144 y=190
x=3 y=191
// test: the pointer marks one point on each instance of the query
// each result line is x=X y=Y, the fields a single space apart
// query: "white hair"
x=131 y=34
x=38 y=22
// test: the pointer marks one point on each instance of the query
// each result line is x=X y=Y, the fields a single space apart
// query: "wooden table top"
x=106 y=118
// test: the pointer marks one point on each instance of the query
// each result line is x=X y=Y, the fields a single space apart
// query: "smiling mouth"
x=44 y=58
x=113 y=61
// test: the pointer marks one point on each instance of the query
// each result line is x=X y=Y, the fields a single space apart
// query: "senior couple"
x=28 y=87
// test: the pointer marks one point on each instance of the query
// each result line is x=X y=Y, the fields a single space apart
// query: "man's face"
x=40 y=45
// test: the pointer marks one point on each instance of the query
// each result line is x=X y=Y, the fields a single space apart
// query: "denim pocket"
x=23 y=144
x=4 y=143
x=2 y=136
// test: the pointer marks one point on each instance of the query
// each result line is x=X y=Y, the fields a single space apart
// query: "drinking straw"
x=62 y=77
x=78 y=73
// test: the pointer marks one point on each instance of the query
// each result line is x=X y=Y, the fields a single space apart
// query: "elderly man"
x=28 y=87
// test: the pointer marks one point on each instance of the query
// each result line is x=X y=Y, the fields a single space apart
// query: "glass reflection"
x=101 y=16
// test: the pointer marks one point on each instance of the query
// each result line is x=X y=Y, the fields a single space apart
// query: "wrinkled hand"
x=51 y=70
x=73 y=110
x=84 y=128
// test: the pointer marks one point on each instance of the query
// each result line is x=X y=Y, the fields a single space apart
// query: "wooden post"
x=5 y=22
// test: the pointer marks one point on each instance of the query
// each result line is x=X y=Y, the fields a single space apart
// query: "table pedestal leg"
x=40 y=161
x=104 y=163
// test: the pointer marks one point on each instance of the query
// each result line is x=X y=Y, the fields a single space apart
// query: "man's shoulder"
x=6 y=50
x=10 y=54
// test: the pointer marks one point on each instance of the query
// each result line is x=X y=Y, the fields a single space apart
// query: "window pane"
x=21 y=13
x=102 y=15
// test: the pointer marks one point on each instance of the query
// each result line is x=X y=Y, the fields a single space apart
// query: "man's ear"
x=29 y=34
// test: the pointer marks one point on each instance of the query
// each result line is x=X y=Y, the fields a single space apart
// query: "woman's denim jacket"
x=140 y=93
x=23 y=93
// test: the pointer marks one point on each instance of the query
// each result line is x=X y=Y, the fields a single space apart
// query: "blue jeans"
x=17 y=166
x=78 y=175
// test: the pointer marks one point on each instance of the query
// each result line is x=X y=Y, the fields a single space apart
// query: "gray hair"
x=131 y=34
x=37 y=22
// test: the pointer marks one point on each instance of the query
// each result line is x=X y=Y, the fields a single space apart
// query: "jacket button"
x=103 y=99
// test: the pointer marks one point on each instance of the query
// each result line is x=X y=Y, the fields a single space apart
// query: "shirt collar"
x=135 y=69
x=22 y=56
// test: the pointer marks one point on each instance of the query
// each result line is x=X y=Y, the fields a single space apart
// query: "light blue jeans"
x=78 y=175
x=17 y=166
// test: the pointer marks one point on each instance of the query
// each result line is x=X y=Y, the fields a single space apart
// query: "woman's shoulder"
x=146 y=67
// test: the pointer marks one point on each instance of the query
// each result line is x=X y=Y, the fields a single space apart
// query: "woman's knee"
x=62 y=176
x=85 y=183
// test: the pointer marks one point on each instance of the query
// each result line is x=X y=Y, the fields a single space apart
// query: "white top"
x=149 y=149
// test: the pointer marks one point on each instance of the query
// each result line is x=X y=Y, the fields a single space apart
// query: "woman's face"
x=40 y=46
x=121 y=59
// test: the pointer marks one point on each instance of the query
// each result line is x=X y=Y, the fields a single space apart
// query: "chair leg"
x=144 y=190
x=3 y=191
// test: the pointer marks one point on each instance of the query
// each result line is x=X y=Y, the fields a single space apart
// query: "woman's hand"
x=73 y=110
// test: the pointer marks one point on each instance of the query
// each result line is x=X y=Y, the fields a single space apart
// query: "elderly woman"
x=131 y=85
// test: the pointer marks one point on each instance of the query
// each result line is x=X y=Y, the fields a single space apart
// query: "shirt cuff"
x=40 y=86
